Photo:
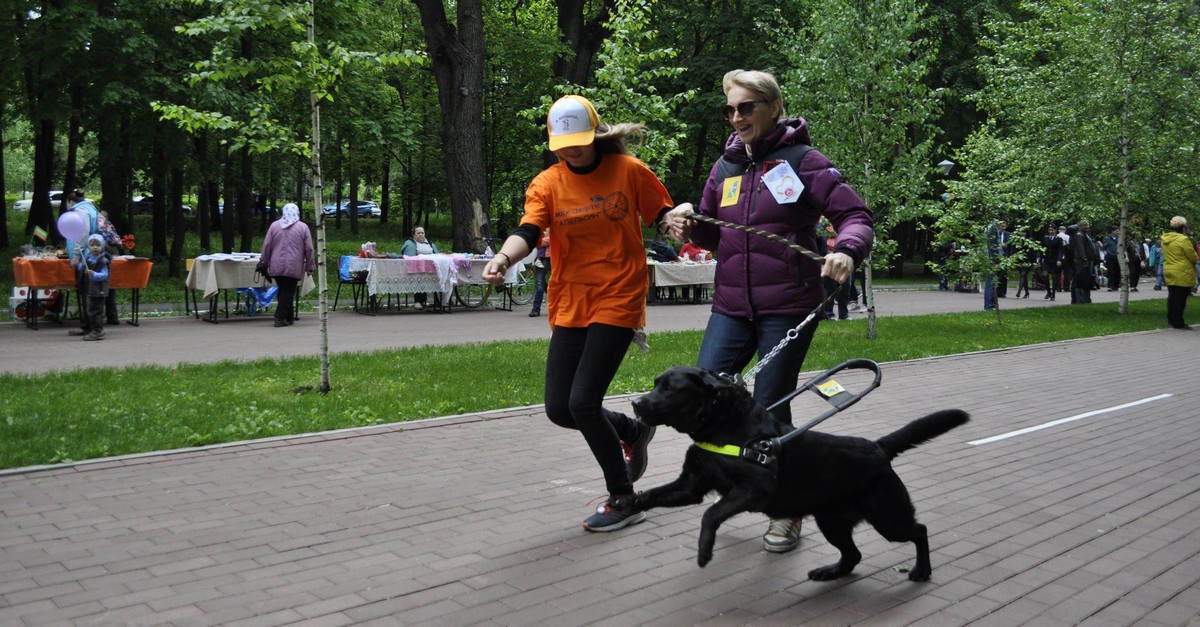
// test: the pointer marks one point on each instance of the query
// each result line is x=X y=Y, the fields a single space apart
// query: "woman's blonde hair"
x=761 y=83
x=612 y=137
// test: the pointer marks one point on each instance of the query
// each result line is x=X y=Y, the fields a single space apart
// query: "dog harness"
x=764 y=453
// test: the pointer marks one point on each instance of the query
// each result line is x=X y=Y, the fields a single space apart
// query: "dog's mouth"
x=643 y=413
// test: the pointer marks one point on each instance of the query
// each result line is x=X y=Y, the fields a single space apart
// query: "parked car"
x=366 y=209
x=145 y=204
x=25 y=203
x=221 y=208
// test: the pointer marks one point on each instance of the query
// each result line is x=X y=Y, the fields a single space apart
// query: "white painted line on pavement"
x=1012 y=434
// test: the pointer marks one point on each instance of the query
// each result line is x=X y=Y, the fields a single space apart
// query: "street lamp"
x=945 y=166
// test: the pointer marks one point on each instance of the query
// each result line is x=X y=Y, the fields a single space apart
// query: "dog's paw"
x=827 y=573
x=919 y=574
x=703 y=559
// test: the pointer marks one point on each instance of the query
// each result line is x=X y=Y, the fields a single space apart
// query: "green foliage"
x=1097 y=96
x=857 y=75
x=990 y=186
x=140 y=409
x=624 y=89
x=288 y=70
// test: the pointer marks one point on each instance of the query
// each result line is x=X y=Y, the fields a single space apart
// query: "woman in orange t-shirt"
x=596 y=198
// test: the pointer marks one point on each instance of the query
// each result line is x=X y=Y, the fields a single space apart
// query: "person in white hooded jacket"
x=288 y=252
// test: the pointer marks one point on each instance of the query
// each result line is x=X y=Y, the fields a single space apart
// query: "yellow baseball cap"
x=572 y=122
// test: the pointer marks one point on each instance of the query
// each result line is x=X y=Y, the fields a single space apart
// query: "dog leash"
x=787 y=338
x=792 y=334
x=749 y=229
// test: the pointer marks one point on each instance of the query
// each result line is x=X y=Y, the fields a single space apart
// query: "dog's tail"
x=921 y=430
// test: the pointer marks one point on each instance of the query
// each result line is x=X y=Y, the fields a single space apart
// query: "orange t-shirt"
x=596 y=245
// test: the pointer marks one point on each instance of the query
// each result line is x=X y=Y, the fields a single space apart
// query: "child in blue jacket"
x=92 y=273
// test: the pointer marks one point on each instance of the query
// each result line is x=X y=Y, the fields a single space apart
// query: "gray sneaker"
x=782 y=536
x=617 y=513
x=93 y=336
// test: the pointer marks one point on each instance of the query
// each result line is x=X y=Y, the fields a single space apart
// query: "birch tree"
x=1101 y=96
x=857 y=77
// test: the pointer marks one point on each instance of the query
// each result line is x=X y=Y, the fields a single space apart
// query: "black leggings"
x=581 y=364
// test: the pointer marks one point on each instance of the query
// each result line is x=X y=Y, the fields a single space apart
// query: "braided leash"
x=792 y=333
x=749 y=229
x=787 y=338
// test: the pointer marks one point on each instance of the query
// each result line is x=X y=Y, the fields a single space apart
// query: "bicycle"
x=473 y=295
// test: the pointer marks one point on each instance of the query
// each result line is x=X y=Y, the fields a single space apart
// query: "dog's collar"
x=765 y=453
x=728 y=449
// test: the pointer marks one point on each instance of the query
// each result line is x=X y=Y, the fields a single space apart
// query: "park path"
x=179 y=339
x=1072 y=497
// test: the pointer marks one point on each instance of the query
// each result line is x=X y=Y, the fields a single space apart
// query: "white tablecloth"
x=677 y=274
x=213 y=273
x=424 y=273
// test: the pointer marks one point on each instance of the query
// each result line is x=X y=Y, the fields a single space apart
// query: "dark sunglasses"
x=743 y=109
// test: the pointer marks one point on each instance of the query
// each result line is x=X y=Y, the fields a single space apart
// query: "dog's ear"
x=713 y=381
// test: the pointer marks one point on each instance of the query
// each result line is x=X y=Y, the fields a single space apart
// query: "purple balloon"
x=73 y=225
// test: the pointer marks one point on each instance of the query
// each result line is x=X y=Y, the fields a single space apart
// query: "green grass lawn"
x=98 y=413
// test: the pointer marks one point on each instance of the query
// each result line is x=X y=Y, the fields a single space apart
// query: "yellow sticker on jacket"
x=732 y=188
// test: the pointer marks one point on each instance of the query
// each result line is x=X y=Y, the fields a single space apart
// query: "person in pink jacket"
x=288 y=252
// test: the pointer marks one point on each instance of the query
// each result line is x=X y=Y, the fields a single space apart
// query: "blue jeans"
x=989 y=293
x=729 y=344
x=541 y=278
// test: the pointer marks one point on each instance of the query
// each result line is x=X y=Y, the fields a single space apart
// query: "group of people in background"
x=1071 y=260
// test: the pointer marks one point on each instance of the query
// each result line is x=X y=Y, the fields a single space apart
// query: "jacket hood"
x=1172 y=236
x=787 y=131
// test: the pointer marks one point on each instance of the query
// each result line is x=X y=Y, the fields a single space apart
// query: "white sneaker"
x=782 y=536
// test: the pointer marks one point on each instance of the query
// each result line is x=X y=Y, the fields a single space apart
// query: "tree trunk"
x=3 y=186
x=227 y=215
x=72 y=143
x=175 y=258
x=318 y=203
x=245 y=206
x=352 y=173
x=158 y=189
x=385 y=192
x=458 y=58
x=582 y=36
x=40 y=213
x=207 y=197
x=114 y=172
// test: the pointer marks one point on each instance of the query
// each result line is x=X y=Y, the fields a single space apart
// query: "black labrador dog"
x=839 y=480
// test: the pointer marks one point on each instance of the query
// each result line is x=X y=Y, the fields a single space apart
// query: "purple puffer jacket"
x=755 y=275
x=288 y=250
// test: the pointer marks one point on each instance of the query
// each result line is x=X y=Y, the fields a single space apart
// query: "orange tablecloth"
x=57 y=273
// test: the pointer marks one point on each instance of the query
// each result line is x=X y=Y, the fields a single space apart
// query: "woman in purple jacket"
x=771 y=179
x=288 y=253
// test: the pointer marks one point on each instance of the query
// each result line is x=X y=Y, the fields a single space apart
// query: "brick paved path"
x=475 y=520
